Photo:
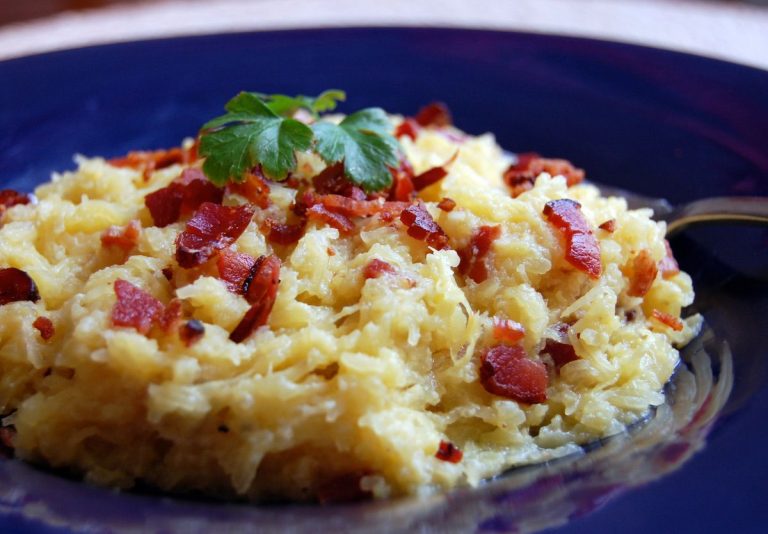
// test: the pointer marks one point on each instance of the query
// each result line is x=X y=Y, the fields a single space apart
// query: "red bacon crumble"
x=260 y=291
x=150 y=161
x=320 y=213
x=210 y=229
x=168 y=273
x=472 y=257
x=408 y=128
x=521 y=176
x=170 y=315
x=254 y=188
x=642 y=273
x=447 y=204
x=609 y=226
x=582 y=249
x=16 y=286
x=45 y=326
x=434 y=114
x=402 y=189
x=560 y=349
x=332 y=180
x=284 y=234
x=9 y=198
x=448 y=452
x=135 y=307
x=433 y=175
x=376 y=268
x=668 y=264
x=234 y=269
x=421 y=226
x=124 y=237
x=343 y=489
x=670 y=320
x=191 y=332
x=181 y=197
x=507 y=330
x=507 y=372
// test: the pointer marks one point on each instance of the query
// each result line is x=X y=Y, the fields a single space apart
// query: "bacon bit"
x=191 y=332
x=181 y=197
x=150 y=161
x=168 y=273
x=434 y=114
x=668 y=264
x=9 y=198
x=609 y=226
x=210 y=229
x=343 y=489
x=45 y=326
x=521 y=176
x=284 y=234
x=342 y=223
x=330 y=251
x=377 y=268
x=260 y=291
x=254 y=188
x=122 y=237
x=448 y=452
x=16 y=286
x=135 y=307
x=670 y=320
x=505 y=371
x=408 y=128
x=446 y=204
x=332 y=180
x=421 y=226
x=402 y=181
x=170 y=316
x=560 y=349
x=641 y=274
x=234 y=269
x=472 y=257
x=433 y=175
x=582 y=248
x=507 y=330
x=392 y=210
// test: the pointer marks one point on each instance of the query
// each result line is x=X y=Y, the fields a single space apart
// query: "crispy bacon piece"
x=135 y=307
x=609 y=226
x=342 y=489
x=168 y=273
x=332 y=180
x=448 y=452
x=642 y=273
x=210 y=229
x=521 y=176
x=350 y=207
x=9 y=198
x=506 y=371
x=507 y=330
x=560 y=349
x=421 y=226
x=170 y=316
x=255 y=188
x=124 y=237
x=434 y=114
x=670 y=320
x=234 y=269
x=260 y=291
x=45 y=326
x=408 y=128
x=402 y=189
x=191 y=332
x=181 y=197
x=376 y=268
x=668 y=264
x=433 y=175
x=392 y=210
x=342 y=223
x=284 y=234
x=582 y=249
x=446 y=204
x=150 y=161
x=16 y=285
x=472 y=257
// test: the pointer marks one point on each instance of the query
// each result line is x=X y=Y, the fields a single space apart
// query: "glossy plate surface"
x=656 y=122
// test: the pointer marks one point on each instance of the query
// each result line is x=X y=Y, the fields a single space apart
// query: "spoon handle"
x=718 y=209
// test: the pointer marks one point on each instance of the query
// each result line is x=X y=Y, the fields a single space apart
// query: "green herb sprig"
x=259 y=129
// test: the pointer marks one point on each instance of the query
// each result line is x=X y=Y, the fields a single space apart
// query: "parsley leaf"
x=248 y=135
x=363 y=141
x=287 y=105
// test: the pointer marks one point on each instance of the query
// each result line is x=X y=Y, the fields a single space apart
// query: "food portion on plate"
x=327 y=308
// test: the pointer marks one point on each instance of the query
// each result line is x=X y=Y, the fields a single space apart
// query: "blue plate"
x=657 y=122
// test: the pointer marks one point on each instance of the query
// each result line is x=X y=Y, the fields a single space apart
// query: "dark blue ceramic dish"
x=657 y=122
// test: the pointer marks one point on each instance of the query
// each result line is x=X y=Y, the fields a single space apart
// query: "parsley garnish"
x=258 y=129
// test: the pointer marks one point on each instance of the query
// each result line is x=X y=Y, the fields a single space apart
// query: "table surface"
x=734 y=31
